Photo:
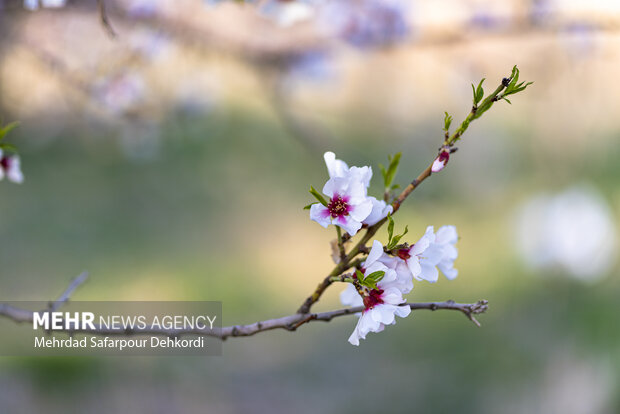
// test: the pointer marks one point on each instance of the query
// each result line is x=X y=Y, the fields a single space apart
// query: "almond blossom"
x=10 y=165
x=430 y=252
x=381 y=304
x=348 y=204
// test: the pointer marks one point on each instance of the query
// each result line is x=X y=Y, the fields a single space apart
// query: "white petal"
x=390 y=261
x=448 y=271
x=383 y=314
x=404 y=279
x=413 y=263
x=320 y=214
x=356 y=190
x=348 y=224
x=15 y=172
x=380 y=210
x=402 y=311
x=375 y=253
x=350 y=297
x=335 y=167
x=437 y=165
x=392 y=296
x=360 y=211
x=433 y=254
x=362 y=173
x=374 y=267
x=450 y=252
x=354 y=339
x=366 y=324
x=389 y=277
x=336 y=185
x=429 y=272
x=421 y=245
x=447 y=234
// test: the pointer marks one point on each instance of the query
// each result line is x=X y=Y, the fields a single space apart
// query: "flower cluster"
x=420 y=261
x=387 y=273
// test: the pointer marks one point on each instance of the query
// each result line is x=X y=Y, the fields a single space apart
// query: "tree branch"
x=289 y=323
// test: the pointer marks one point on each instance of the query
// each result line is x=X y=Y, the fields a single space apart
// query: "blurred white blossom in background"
x=573 y=232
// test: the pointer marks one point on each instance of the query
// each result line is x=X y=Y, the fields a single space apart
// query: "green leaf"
x=390 y=228
x=318 y=196
x=447 y=120
x=397 y=238
x=375 y=276
x=389 y=175
x=383 y=172
x=360 y=275
x=308 y=206
x=479 y=92
x=8 y=147
x=7 y=128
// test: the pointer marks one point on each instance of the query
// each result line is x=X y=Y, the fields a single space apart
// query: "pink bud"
x=441 y=161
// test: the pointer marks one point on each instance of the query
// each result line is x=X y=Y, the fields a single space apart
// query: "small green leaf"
x=390 y=228
x=308 y=206
x=383 y=172
x=447 y=120
x=375 y=276
x=8 y=147
x=396 y=239
x=360 y=275
x=479 y=92
x=7 y=128
x=318 y=196
x=389 y=175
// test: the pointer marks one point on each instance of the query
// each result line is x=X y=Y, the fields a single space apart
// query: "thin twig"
x=103 y=17
x=64 y=298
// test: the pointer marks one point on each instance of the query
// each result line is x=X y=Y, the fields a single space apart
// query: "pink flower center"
x=404 y=254
x=5 y=163
x=373 y=299
x=444 y=156
x=338 y=206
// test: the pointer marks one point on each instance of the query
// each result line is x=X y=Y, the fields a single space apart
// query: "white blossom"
x=380 y=210
x=10 y=166
x=348 y=204
x=432 y=251
x=382 y=304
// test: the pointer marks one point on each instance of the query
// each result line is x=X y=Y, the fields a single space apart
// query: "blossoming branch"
x=376 y=276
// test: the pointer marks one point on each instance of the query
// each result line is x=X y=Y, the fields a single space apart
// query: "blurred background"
x=169 y=152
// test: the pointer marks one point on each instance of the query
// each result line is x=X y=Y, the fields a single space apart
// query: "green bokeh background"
x=217 y=215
